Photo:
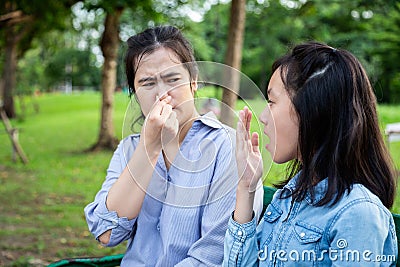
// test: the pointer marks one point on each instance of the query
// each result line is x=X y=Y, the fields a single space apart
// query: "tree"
x=22 y=21
x=109 y=46
x=233 y=58
x=384 y=31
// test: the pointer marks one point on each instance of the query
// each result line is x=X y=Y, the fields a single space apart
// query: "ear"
x=193 y=85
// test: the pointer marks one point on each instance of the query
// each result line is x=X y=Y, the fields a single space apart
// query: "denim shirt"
x=186 y=209
x=356 y=231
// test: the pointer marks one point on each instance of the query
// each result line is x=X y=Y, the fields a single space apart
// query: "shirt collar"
x=210 y=120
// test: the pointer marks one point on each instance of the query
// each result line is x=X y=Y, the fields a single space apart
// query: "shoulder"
x=210 y=123
x=360 y=194
x=361 y=207
x=128 y=144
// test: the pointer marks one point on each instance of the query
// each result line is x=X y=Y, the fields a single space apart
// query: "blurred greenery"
x=71 y=53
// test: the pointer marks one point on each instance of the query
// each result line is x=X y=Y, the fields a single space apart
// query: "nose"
x=162 y=90
x=264 y=115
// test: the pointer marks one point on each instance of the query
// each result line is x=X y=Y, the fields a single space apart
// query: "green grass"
x=44 y=200
x=41 y=215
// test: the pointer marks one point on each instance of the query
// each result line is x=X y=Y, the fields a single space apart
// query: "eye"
x=173 y=80
x=148 y=84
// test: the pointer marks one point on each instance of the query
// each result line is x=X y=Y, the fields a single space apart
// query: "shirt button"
x=302 y=235
x=269 y=213
x=114 y=223
x=158 y=228
x=240 y=233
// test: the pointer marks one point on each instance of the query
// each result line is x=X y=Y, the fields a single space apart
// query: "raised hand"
x=248 y=156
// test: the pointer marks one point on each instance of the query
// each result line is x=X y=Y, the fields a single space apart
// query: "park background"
x=67 y=99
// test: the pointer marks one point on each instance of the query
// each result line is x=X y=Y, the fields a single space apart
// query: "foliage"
x=44 y=15
x=74 y=65
x=369 y=29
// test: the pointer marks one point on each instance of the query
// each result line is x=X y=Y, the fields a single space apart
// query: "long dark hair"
x=339 y=135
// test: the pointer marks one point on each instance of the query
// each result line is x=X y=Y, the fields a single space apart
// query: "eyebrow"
x=164 y=76
x=170 y=74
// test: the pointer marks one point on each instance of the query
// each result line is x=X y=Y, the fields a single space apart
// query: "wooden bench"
x=115 y=260
x=392 y=132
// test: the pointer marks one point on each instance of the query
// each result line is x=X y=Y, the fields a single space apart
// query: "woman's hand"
x=249 y=164
x=248 y=156
x=161 y=125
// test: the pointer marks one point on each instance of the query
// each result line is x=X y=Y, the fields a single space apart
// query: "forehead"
x=159 y=61
x=275 y=86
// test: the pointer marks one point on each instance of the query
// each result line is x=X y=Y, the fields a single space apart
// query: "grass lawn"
x=41 y=211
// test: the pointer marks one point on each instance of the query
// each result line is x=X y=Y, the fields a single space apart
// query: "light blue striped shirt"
x=186 y=209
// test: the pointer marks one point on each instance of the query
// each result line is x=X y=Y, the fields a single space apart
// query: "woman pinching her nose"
x=169 y=190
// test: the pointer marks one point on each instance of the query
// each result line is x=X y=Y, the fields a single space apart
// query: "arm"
x=249 y=166
x=240 y=247
x=123 y=197
x=127 y=194
x=99 y=219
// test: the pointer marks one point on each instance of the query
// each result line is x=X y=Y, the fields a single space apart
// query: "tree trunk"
x=9 y=72
x=109 y=47
x=233 y=58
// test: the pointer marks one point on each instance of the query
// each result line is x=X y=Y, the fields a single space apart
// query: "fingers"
x=255 y=143
x=170 y=129
x=158 y=106
x=165 y=112
x=241 y=133
x=248 y=115
x=171 y=122
x=244 y=123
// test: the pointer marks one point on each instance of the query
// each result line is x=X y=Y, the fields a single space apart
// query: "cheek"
x=291 y=141
x=146 y=102
x=182 y=94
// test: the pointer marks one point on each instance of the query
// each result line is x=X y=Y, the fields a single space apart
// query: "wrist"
x=245 y=190
x=150 y=150
x=244 y=205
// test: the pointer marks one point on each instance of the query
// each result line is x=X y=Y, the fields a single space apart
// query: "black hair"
x=152 y=39
x=339 y=134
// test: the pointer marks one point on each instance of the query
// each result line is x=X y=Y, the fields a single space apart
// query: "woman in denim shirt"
x=332 y=210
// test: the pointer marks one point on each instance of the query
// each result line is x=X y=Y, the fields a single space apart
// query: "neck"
x=172 y=148
x=185 y=127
